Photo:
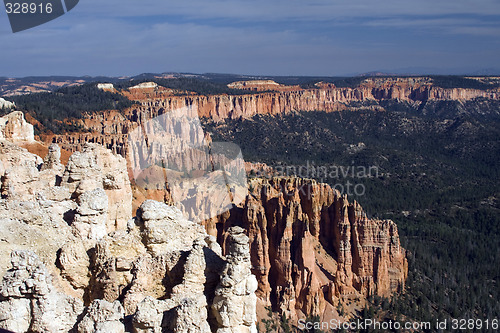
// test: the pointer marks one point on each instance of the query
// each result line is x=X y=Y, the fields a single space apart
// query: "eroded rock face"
x=97 y=167
x=20 y=173
x=307 y=249
x=193 y=290
x=235 y=300
x=53 y=158
x=33 y=210
x=6 y=104
x=111 y=128
x=29 y=300
x=71 y=270
x=13 y=127
x=311 y=249
x=102 y=317
x=166 y=228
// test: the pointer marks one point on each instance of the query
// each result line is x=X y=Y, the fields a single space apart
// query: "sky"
x=258 y=37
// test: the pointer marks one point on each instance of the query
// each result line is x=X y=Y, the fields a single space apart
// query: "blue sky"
x=280 y=37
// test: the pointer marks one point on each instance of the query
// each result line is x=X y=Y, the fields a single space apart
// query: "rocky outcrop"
x=13 y=127
x=296 y=244
x=192 y=268
x=311 y=249
x=310 y=252
x=53 y=159
x=261 y=85
x=235 y=300
x=98 y=168
x=6 y=104
x=106 y=86
x=145 y=85
x=33 y=210
x=71 y=271
x=29 y=301
x=102 y=317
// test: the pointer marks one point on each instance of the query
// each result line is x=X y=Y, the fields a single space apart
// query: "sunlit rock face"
x=311 y=249
x=73 y=258
x=13 y=127
x=204 y=178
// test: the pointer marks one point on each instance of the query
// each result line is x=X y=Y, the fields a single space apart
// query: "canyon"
x=311 y=252
x=111 y=128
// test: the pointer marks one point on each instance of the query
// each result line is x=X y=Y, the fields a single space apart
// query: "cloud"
x=471 y=25
x=283 y=10
x=290 y=37
x=480 y=17
x=117 y=47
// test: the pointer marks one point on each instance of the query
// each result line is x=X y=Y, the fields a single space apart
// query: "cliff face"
x=327 y=98
x=111 y=128
x=311 y=249
x=79 y=262
x=13 y=127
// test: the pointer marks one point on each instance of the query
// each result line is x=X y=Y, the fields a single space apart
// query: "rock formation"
x=79 y=261
x=102 y=316
x=311 y=249
x=295 y=244
x=234 y=302
x=261 y=85
x=6 y=104
x=13 y=127
x=106 y=86
x=96 y=167
x=145 y=85
x=53 y=158
x=29 y=301
x=111 y=128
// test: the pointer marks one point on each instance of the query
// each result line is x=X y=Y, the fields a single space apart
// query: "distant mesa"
x=325 y=85
x=106 y=86
x=251 y=85
x=261 y=85
x=16 y=87
x=145 y=85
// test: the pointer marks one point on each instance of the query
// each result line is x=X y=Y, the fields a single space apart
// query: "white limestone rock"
x=166 y=229
x=89 y=223
x=234 y=305
x=53 y=159
x=15 y=314
x=105 y=86
x=46 y=309
x=102 y=317
x=13 y=127
x=97 y=167
x=75 y=238
x=6 y=104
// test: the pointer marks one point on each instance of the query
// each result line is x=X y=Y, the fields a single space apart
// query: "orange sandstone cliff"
x=312 y=250
x=111 y=128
